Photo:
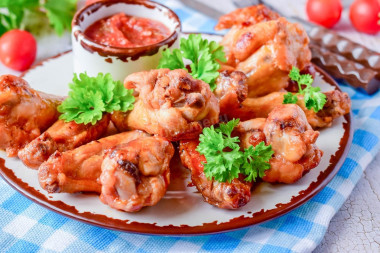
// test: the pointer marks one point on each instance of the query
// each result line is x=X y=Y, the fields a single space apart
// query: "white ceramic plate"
x=182 y=210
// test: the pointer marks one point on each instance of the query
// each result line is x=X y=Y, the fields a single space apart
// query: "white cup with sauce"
x=93 y=57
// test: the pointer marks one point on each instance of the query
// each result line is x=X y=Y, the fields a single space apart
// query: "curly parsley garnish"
x=256 y=161
x=225 y=160
x=202 y=54
x=33 y=14
x=90 y=97
x=314 y=98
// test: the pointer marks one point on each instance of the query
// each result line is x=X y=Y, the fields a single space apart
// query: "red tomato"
x=364 y=15
x=18 y=49
x=324 y=12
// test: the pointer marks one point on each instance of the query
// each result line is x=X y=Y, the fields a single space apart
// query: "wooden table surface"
x=356 y=227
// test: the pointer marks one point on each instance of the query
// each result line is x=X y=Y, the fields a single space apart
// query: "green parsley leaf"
x=225 y=160
x=217 y=51
x=3 y=29
x=19 y=13
x=204 y=57
x=171 y=60
x=5 y=24
x=294 y=74
x=314 y=98
x=19 y=5
x=193 y=47
x=221 y=165
x=60 y=14
x=256 y=161
x=290 y=98
x=15 y=13
x=90 y=97
x=206 y=70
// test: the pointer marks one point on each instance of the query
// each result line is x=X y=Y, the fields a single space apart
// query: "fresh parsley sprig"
x=16 y=14
x=256 y=161
x=90 y=97
x=60 y=14
x=225 y=160
x=313 y=97
x=204 y=56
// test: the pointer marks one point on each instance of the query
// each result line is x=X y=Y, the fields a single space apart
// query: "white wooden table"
x=356 y=227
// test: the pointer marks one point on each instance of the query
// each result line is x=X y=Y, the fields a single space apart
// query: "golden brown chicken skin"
x=79 y=169
x=231 y=90
x=136 y=174
x=295 y=153
x=169 y=103
x=265 y=48
x=337 y=104
x=246 y=17
x=24 y=113
x=292 y=139
x=225 y=195
x=61 y=136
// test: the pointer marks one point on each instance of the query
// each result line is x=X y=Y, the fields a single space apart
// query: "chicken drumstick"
x=264 y=46
x=136 y=174
x=292 y=139
x=169 y=103
x=295 y=152
x=79 y=169
x=24 y=113
x=61 y=136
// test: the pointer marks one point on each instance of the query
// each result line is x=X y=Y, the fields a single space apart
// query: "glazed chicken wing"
x=292 y=139
x=338 y=104
x=231 y=90
x=223 y=195
x=79 y=169
x=265 y=48
x=24 y=113
x=61 y=136
x=295 y=153
x=136 y=174
x=169 y=103
x=246 y=17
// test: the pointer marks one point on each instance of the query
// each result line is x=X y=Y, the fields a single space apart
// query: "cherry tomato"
x=364 y=15
x=18 y=49
x=324 y=12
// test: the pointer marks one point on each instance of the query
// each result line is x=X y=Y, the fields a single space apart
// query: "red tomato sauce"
x=125 y=31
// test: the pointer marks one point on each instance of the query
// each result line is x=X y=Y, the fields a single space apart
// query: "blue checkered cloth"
x=27 y=227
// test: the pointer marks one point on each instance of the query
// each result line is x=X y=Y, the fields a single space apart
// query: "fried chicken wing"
x=61 y=136
x=295 y=153
x=24 y=113
x=265 y=48
x=223 y=195
x=169 y=103
x=231 y=90
x=136 y=174
x=246 y=17
x=292 y=139
x=338 y=104
x=79 y=169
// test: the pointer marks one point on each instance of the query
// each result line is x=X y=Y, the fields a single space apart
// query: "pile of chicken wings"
x=129 y=167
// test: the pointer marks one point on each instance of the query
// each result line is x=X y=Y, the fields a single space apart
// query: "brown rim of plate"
x=336 y=162
x=123 y=53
